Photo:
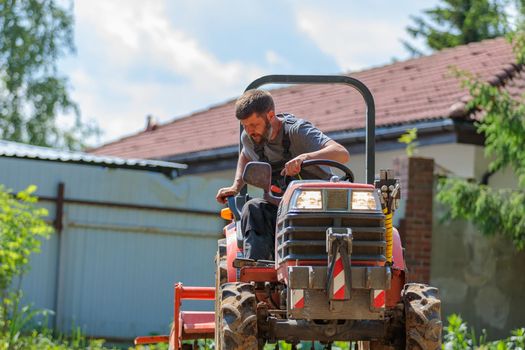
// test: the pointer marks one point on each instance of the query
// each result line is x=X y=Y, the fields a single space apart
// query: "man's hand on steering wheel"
x=293 y=167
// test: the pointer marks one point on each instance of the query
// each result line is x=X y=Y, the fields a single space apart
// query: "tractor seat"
x=236 y=204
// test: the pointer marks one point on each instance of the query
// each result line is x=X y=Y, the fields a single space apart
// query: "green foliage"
x=518 y=45
x=33 y=36
x=503 y=125
x=21 y=228
x=458 y=22
x=492 y=211
x=459 y=337
x=36 y=340
x=409 y=138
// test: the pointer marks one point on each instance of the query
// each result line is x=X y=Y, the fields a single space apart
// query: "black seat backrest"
x=236 y=204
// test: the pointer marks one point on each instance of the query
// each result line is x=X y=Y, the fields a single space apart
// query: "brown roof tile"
x=404 y=92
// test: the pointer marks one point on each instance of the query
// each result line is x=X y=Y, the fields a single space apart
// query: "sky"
x=170 y=58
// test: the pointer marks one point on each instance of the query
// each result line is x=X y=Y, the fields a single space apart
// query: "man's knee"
x=252 y=205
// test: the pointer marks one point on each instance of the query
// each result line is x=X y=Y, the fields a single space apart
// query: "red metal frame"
x=196 y=324
x=258 y=274
x=399 y=259
x=152 y=339
x=393 y=295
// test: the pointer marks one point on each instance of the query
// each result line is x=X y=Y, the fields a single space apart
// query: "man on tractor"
x=285 y=142
x=338 y=273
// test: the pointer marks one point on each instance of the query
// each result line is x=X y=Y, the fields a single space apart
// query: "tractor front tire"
x=423 y=326
x=238 y=317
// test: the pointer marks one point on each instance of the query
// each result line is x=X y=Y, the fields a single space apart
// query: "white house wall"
x=458 y=158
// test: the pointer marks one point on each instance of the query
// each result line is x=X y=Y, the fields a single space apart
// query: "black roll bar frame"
x=332 y=79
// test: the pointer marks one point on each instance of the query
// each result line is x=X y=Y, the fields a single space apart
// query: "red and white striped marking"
x=339 y=278
x=297 y=298
x=379 y=299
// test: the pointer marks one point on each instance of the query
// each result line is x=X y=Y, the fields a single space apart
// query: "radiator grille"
x=302 y=236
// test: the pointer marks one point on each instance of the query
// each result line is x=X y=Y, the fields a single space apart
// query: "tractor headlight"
x=307 y=199
x=363 y=200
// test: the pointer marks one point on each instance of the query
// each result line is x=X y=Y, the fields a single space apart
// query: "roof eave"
x=343 y=137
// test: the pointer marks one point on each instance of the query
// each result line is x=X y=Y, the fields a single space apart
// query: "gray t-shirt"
x=304 y=138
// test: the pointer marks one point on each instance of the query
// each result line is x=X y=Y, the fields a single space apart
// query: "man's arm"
x=237 y=182
x=331 y=150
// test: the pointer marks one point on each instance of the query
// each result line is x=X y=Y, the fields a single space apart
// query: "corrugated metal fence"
x=124 y=238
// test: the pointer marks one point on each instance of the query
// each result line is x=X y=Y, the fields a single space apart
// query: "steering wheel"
x=349 y=175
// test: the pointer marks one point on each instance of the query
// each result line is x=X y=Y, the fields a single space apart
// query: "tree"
x=34 y=34
x=459 y=22
x=494 y=211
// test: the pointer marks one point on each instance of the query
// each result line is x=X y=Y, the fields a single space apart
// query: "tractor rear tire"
x=238 y=317
x=423 y=326
x=221 y=277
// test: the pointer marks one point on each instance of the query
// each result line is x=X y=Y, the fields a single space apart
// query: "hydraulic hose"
x=388 y=235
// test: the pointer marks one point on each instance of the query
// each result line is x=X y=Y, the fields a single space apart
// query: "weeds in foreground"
x=458 y=336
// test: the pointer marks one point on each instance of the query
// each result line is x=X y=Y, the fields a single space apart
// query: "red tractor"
x=338 y=273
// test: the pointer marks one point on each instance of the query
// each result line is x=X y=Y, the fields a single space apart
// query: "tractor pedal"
x=242 y=262
x=266 y=263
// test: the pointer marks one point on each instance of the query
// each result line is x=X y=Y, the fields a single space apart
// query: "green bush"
x=458 y=336
x=41 y=341
x=22 y=227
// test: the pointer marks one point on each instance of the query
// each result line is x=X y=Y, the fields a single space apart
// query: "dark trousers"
x=258 y=226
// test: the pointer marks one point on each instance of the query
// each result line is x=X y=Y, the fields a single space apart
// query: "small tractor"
x=338 y=272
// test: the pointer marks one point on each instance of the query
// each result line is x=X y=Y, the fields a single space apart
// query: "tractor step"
x=198 y=322
x=243 y=262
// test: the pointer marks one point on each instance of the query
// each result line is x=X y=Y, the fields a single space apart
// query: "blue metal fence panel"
x=118 y=265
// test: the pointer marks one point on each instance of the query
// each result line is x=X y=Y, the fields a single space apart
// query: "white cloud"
x=136 y=36
x=134 y=60
x=273 y=58
x=356 y=41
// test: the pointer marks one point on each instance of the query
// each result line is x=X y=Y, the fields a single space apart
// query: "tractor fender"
x=393 y=295
x=232 y=250
x=397 y=253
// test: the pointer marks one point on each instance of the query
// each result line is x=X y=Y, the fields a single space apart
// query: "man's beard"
x=265 y=136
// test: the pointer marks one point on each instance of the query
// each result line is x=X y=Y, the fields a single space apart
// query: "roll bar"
x=333 y=79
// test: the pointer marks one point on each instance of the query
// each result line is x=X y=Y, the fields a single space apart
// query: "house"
x=478 y=276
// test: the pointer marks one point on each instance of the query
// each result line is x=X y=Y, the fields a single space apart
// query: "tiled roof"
x=415 y=90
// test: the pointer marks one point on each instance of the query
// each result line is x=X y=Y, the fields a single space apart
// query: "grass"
x=456 y=336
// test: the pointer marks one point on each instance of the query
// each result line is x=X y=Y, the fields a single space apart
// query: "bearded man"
x=285 y=142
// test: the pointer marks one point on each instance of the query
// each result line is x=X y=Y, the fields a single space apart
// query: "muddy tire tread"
x=238 y=317
x=422 y=317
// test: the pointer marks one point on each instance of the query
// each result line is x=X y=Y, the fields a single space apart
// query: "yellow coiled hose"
x=389 y=236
